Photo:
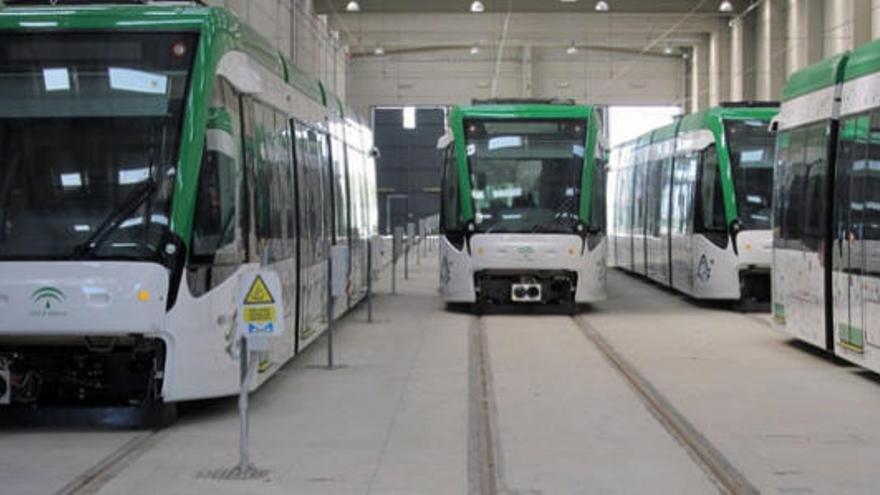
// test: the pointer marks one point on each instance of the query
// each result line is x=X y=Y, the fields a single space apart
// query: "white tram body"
x=532 y=178
x=690 y=204
x=268 y=171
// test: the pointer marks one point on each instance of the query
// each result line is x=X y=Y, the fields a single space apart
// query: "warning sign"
x=258 y=293
x=259 y=304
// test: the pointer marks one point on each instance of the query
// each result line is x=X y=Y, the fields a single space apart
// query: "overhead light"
x=667 y=49
x=572 y=49
x=475 y=49
x=380 y=50
x=477 y=6
x=568 y=1
x=353 y=6
x=726 y=6
x=601 y=6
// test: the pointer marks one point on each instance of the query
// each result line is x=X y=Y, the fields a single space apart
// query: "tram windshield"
x=526 y=174
x=752 y=148
x=90 y=128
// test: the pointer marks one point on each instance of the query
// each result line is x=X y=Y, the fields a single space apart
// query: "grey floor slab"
x=41 y=461
x=791 y=420
x=567 y=421
x=392 y=420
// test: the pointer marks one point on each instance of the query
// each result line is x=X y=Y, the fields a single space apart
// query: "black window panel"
x=816 y=188
x=710 y=215
x=599 y=201
x=217 y=247
x=780 y=194
x=794 y=182
x=843 y=178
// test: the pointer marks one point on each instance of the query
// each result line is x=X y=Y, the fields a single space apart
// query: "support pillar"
x=700 y=76
x=847 y=25
x=770 y=50
x=527 y=72
x=805 y=21
x=875 y=19
x=719 y=64
x=742 y=59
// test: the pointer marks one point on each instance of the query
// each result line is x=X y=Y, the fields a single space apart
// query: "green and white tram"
x=523 y=205
x=150 y=153
x=690 y=203
x=827 y=217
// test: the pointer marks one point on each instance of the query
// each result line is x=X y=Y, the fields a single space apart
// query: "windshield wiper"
x=561 y=209
x=131 y=204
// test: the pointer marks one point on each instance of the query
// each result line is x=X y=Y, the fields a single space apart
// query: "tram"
x=826 y=247
x=690 y=203
x=523 y=205
x=149 y=154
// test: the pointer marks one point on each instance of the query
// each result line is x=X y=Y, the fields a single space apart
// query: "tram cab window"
x=217 y=247
x=451 y=222
x=599 y=201
x=710 y=217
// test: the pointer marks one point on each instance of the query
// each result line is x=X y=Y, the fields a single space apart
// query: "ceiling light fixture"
x=726 y=6
x=667 y=49
x=475 y=49
x=602 y=6
x=353 y=6
x=379 y=51
x=477 y=6
x=572 y=49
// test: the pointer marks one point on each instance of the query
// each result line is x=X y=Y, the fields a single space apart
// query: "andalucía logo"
x=47 y=299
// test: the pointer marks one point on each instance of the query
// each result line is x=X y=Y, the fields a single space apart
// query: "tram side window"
x=710 y=216
x=779 y=192
x=684 y=175
x=217 y=247
x=451 y=217
x=597 y=209
x=872 y=199
x=815 y=187
x=340 y=194
x=269 y=168
x=872 y=189
x=794 y=181
x=638 y=220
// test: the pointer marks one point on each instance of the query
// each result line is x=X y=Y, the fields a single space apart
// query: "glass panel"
x=712 y=218
x=526 y=175
x=752 y=147
x=89 y=136
x=816 y=187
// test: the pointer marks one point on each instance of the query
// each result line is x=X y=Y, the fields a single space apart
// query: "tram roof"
x=705 y=119
x=173 y=16
x=862 y=61
x=524 y=111
x=818 y=76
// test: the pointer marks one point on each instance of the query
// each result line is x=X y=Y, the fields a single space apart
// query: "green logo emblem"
x=525 y=250
x=45 y=297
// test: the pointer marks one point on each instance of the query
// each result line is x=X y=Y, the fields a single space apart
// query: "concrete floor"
x=399 y=417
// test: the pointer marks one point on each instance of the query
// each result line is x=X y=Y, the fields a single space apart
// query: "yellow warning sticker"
x=259 y=293
x=259 y=314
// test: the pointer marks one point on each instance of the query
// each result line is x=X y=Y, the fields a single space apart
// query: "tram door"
x=850 y=198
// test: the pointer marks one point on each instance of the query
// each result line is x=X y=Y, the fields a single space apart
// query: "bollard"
x=369 y=281
x=396 y=246
x=329 y=310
